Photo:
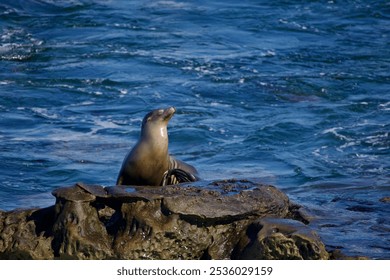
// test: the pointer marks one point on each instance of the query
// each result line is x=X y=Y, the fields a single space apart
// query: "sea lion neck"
x=155 y=138
x=154 y=132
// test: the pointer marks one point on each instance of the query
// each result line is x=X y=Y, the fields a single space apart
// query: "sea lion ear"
x=147 y=118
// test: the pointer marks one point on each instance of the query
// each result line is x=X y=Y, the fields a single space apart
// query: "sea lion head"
x=155 y=123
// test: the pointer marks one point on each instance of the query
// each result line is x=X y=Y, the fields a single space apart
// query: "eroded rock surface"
x=202 y=220
x=278 y=238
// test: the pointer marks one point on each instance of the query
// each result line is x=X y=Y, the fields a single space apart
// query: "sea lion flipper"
x=177 y=176
x=119 y=181
x=175 y=163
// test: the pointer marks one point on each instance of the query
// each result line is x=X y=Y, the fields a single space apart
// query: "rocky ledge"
x=232 y=219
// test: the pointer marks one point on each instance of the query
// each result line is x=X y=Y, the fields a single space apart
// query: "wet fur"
x=147 y=162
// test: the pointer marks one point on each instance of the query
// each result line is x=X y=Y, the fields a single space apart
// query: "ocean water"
x=291 y=93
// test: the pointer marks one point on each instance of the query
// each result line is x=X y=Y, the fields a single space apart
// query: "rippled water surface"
x=293 y=93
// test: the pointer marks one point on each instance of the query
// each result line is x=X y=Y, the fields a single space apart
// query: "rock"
x=23 y=236
x=201 y=220
x=276 y=239
x=385 y=199
x=77 y=230
x=338 y=255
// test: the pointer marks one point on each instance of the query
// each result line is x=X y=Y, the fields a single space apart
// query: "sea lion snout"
x=158 y=117
x=168 y=113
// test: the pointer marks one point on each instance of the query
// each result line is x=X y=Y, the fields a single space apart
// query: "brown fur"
x=149 y=159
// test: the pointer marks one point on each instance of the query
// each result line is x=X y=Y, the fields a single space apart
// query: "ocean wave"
x=385 y=106
x=17 y=44
x=45 y=113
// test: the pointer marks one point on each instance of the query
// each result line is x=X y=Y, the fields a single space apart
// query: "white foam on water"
x=384 y=106
x=6 y=82
x=334 y=131
x=43 y=112
x=219 y=104
x=103 y=124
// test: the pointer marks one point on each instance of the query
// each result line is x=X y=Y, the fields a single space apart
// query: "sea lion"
x=149 y=163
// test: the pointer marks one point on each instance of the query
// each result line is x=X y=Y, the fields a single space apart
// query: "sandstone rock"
x=201 y=220
x=77 y=231
x=276 y=239
x=22 y=235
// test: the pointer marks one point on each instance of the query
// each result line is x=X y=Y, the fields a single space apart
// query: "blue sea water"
x=291 y=93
